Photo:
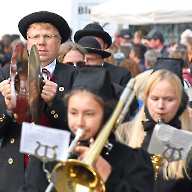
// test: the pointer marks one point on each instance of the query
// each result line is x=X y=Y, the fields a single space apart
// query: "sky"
x=13 y=10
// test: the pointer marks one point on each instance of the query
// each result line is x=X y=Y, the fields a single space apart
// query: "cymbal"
x=34 y=80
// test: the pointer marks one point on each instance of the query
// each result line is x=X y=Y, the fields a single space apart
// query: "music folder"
x=45 y=143
x=169 y=142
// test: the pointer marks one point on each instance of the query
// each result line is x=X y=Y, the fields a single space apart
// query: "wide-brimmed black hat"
x=96 y=80
x=93 y=29
x=91 y=45
x=47 y=17
x=172 y=64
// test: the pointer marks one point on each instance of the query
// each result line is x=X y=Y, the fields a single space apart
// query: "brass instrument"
x=157 y=162
x=34 y=83
x=75 y=175
x=73 y=144
x=157 y=159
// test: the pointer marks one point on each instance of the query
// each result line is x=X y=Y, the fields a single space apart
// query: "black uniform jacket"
x=11 y=161
x=131 y=171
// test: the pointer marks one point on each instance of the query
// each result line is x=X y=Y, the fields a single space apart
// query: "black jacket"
x=118 y=74
x=131 y=171
x=11 y=161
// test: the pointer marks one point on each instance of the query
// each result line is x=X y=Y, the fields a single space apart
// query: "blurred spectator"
x=71 y=53
x=137 y=37
x=150 y=58
x=15 y=37
x=6 y=42
x=121 y=47
x=135 y=61
x=181 y=52
x=6 y=48
x=156 y=41
x=184 y=36
x=125 y=37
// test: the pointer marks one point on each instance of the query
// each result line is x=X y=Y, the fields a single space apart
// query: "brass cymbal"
x=34 y=80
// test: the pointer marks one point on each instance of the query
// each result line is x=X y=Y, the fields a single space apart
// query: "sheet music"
x=44 y=142
x=170 y=142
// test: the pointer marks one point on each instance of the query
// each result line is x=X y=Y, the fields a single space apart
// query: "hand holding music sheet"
x=45 y=143
x=169 y=142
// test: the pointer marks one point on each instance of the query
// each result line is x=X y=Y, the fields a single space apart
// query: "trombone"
x=75 y=175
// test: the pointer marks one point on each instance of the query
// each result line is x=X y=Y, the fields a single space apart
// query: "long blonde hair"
x=132 y=133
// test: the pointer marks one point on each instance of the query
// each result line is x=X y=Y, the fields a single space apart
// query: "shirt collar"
x=51 y=67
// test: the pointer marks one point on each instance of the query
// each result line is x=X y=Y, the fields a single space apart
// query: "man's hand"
x=49 y=91
x=5 y=89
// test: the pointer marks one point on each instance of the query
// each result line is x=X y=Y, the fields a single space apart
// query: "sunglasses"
x=81 y=64
x=76 y=64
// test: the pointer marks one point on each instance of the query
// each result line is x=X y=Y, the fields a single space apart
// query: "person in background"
x=150 y=58
x=90 y=104
x=137 y=38
x=156 y=42
x=6 y=49
x=121 y=47
x=47 y=31
x=180 y=51
x=135 y=60
x=71 y=53
x=165 y=100
x=94 y=54
x=118 y=75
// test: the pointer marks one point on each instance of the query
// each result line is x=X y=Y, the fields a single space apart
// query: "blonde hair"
x=69 y=46
x=132 y=133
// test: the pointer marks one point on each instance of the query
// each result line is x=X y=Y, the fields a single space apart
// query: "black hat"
x=96 y=80
x=153 y=34
x=125 y=33
x=91 y=45
x=93 y=29
x=47 y=17
x=172 y=64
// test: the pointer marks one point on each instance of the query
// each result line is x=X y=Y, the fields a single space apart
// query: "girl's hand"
x=101 y=165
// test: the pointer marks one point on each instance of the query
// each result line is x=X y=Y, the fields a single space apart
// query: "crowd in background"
x=87 y=73
x=134 y=52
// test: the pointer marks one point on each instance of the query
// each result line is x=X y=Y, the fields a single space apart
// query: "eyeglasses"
x=46 y=37
x=81 y=64
x=76 y=64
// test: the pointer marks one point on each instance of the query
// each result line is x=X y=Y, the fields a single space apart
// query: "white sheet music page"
x=170 y=142
x=44 y=142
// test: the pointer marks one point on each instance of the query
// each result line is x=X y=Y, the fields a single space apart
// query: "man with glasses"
x=47 y=31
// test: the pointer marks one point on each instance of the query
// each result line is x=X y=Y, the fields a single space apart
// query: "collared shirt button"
x=56 y=116
x=12 y=140
x=10 y=161
x=61 y=89
x=52 y=112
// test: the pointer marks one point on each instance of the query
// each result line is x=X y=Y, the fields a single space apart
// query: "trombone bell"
x=74 y=176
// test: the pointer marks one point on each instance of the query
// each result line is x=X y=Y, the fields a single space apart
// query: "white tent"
x=139 y=12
